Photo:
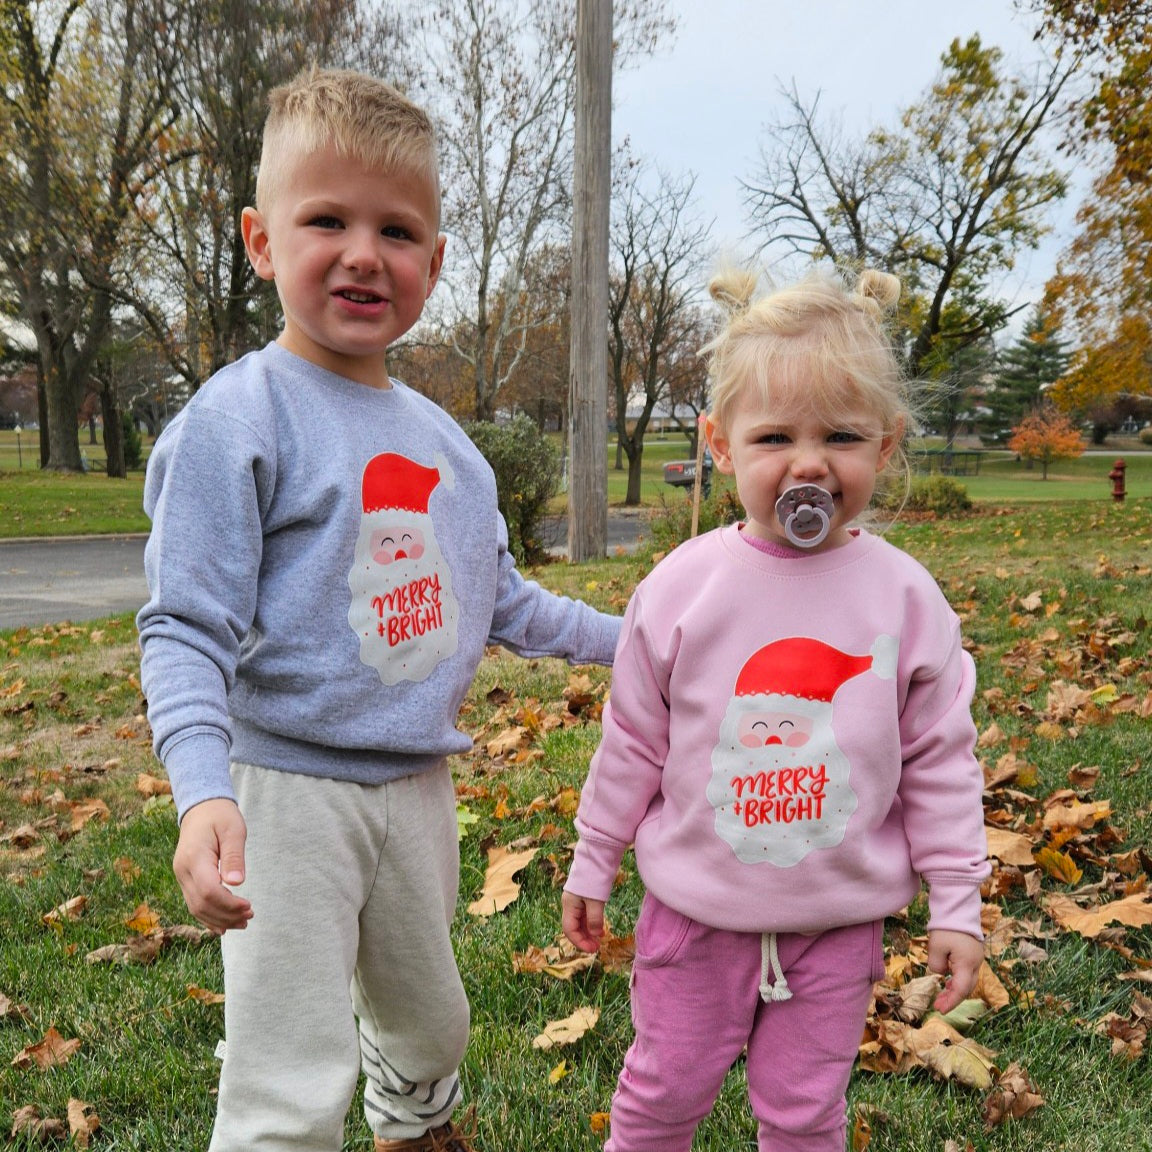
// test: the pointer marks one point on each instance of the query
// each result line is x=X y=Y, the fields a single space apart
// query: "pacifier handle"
x=805 y=511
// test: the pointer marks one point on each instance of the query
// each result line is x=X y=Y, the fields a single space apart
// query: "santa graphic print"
x=780 y=782
x=403 y=607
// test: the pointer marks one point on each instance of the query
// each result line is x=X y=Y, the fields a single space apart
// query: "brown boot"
x=448 y=1137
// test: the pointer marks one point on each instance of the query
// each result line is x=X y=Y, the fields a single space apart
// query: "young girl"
x=788 y=744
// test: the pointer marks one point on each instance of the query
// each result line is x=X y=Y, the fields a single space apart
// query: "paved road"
x=78 y=578
x=85 y=578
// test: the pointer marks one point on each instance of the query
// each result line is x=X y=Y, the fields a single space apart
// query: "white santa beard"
x=775 y=804
x=411 y=598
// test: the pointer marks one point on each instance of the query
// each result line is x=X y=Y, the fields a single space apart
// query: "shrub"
x=527 y=467
x=133 y=452
x=942 y=495
x=672 y=521
x=1146 y=435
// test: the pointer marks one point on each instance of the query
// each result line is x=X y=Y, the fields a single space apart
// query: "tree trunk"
x=635 y=461
x=113 y=433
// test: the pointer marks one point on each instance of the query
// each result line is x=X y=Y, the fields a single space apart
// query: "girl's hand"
x=583 y=921
x=958 y=957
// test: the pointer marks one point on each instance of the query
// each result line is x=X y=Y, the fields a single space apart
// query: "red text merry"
x=409 y=610
x=781 y=795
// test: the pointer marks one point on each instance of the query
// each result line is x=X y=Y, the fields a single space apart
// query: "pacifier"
x=805 y=511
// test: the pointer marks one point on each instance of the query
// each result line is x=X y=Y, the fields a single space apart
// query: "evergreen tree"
x=1028 y=367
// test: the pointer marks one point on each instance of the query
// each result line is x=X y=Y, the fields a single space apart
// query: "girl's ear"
x=257 y=243
x=889 y=444
x=718 y=443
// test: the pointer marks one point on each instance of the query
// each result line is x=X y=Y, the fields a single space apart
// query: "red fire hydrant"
x=1117 y=478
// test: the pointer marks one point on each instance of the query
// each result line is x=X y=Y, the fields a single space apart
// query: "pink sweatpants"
x=696 y=1005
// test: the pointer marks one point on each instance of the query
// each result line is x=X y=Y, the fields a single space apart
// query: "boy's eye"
x=324 y=222
x=396 y=232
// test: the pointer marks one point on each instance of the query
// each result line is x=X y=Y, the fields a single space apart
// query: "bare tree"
x=200 y=297
x=499 y=77
x=945 y=200
x=659 y=248
x=87 y=102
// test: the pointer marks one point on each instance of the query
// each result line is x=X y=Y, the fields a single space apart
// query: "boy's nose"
x=362 y=250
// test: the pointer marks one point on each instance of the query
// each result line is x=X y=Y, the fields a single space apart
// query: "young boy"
x=326 y=565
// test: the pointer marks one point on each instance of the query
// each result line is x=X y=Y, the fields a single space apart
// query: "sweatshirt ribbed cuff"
x=197 y=764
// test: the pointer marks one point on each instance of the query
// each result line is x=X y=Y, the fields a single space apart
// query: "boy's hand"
x=583 y=921
x=957 y=956
x=210 y=854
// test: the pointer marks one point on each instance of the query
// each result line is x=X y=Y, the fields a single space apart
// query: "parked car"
x=682 y=473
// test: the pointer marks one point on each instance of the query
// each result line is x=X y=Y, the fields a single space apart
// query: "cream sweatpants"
x=347 y=963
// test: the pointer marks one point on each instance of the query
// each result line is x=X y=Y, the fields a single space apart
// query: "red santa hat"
x=395 y=481
x=810 y=669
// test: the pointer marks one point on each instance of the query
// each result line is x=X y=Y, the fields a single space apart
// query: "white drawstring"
x=770 y=966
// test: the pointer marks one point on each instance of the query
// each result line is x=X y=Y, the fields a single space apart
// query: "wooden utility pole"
x=591 y=204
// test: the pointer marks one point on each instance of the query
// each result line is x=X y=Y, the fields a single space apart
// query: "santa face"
x=396 y=542
x=758 y=729
x=779 y=780
x=403 y=606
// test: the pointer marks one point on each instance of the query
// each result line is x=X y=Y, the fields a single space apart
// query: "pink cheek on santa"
x=385 y=556
x=797 y=740
x=416 y=551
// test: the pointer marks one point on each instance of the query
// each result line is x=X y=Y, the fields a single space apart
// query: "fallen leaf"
x=500 y=887
x=82 y=1122
x=1009 y=847
x=28 y=1122
x=1058 y=865
x=204 y=995
x=148 y=785
x=1135 y=911
x=143 y=920
x=70 y=910
x=1013 y=1097
x=568 y=1030
x=1076 y=815
x=14 y=1011
x=559 y=1072
x=52 y=1051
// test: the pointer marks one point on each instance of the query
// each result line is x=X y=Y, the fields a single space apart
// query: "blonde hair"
x=818 y=336
x=360 y=116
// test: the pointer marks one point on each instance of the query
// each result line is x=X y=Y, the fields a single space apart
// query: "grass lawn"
x=1054 y=599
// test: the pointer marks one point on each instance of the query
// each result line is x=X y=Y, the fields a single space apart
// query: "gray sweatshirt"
x=325 y=567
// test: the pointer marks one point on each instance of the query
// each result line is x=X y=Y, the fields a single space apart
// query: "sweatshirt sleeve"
x=534 y=622
x=942 y=785
x=625 y=775
x=201 y=561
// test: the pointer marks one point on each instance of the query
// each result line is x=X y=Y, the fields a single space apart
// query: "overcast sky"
x=700 y=105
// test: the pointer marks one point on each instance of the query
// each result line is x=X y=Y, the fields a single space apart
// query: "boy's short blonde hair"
x=358 y=115
x=817 y=335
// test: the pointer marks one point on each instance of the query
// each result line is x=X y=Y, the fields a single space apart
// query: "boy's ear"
x=257 y=243
x=718 y=443
x=436 y=264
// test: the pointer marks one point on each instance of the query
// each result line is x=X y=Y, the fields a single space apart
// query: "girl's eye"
x=773 y=438
x=843 y=438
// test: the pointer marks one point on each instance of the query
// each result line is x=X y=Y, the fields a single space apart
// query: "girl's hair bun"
x=733 y=290
x=876 y=292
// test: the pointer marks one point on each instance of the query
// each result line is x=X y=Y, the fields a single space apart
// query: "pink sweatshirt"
x=789 y=742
